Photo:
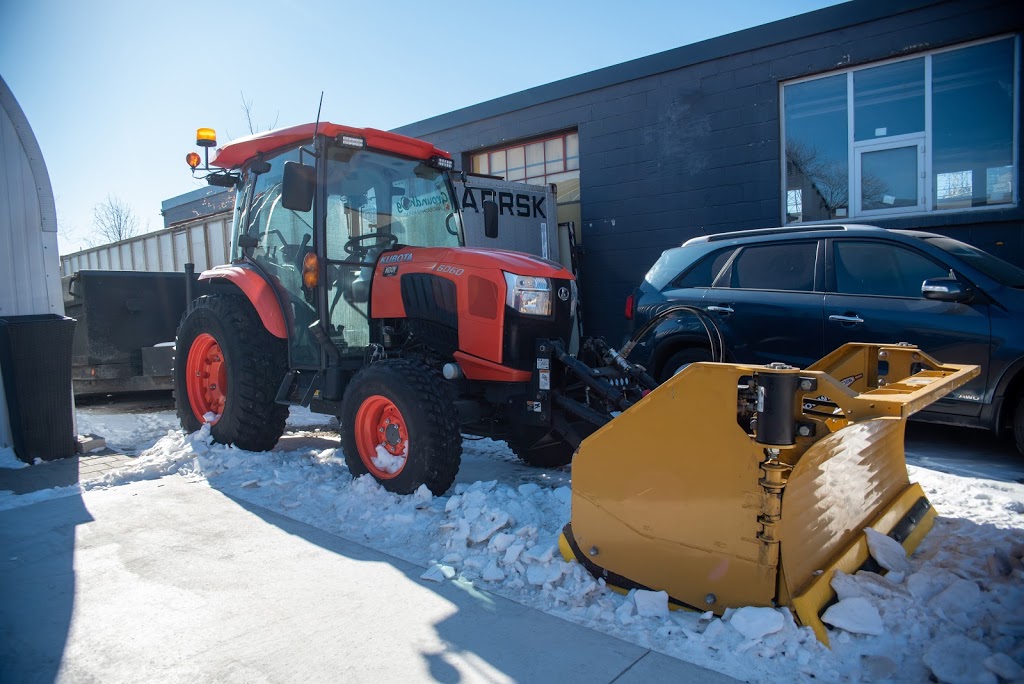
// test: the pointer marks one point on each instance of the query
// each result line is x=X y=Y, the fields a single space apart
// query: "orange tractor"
x=350 y=292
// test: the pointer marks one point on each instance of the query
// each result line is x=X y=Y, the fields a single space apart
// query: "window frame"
x=545 y=177
x=854 y=147
x=832 y=245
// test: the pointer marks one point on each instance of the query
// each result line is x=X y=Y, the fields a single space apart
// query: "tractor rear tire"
x=227 y=364
x=541 y=450
x=403 y=408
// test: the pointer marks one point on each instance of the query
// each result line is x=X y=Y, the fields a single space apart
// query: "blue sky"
x=115 y=90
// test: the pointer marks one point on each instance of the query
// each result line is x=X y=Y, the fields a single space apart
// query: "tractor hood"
x=519 y=263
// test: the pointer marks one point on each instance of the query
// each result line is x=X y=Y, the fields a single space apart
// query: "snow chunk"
x=878 y=667
x=929 y=582
x=754 y=623
x=651 y=603
x=438 y=573
x=512 y=553
x=1005 y=666
x=492 y=573
x=388 y=462
x=855 y=615
x=500 y=542
x=453 y=503
x=958 y=601
x=624 y=613
x=528 y=488
x=423 y=494
x=887 y=552
x=488 y=523
x=955 y=659
x=537 y=574
x=541 y=553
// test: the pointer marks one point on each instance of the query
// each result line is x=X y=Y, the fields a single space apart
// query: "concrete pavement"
x=169 y=580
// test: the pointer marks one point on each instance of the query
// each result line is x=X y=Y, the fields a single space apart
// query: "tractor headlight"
x=530 y=295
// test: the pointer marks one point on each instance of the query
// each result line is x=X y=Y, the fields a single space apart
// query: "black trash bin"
x=35 y=357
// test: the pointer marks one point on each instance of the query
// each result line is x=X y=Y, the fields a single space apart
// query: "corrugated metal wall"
x=205 y=242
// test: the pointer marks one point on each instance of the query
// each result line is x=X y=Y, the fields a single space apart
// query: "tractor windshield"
x=369 y=192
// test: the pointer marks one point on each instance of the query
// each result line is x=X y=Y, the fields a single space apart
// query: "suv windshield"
x=1005 y=273
x=369 y=191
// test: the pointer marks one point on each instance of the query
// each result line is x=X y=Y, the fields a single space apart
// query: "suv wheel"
x=682 y=359
x=1018 y=424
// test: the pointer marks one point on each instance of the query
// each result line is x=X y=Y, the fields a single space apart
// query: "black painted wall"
x=687 y=142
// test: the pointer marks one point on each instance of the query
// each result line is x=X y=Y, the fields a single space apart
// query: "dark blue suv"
x=795 y=294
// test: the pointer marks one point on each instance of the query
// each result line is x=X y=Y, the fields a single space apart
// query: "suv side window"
x=788 y=266
x=876 y=268
x=704 y=272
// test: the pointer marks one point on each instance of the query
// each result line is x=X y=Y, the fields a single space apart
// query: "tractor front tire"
x=399 y=424
x=541 y=449
x=227 y=369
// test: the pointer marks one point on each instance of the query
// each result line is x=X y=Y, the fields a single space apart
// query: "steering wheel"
x=448 y=224
x=355 y=247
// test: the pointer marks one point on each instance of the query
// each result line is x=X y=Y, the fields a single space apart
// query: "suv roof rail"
x=715 y=237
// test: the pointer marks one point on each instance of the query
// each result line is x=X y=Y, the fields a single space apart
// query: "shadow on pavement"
x=37 y=574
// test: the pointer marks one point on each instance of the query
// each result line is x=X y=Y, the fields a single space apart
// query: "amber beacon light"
x=206 y=137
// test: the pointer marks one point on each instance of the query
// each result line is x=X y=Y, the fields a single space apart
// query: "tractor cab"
x=321 y=211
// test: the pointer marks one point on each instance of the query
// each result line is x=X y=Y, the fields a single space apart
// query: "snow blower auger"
x=733 y=485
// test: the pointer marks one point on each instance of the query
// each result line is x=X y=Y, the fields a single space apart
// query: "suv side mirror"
x=490 y=218
x=946 y=290
x=297 y=186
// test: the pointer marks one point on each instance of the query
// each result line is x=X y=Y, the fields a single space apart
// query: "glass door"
x=889 y=177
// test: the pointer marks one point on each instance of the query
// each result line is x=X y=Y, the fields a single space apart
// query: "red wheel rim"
x=206 y=380
x=379 y=423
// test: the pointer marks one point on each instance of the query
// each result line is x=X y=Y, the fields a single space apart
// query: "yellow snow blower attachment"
x=733 y=485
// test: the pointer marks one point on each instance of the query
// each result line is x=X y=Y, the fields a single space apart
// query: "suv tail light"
x=629 y=306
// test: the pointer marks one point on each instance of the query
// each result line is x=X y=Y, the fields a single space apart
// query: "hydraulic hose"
x=715 y=342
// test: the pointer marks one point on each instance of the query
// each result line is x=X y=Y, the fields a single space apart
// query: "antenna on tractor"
x=317 y=124
x=316 y=127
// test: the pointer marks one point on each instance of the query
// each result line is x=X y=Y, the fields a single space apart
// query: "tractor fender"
x=259 y=292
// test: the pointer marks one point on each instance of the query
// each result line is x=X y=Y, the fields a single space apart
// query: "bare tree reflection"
x=825 y=182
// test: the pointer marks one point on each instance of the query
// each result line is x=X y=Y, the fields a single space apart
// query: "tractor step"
x=297 y=388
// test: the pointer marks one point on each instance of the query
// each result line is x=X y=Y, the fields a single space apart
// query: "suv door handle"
x=847 y=319
x=720 y=309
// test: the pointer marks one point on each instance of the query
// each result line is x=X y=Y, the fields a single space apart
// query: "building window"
x=933 y=132
x=539 y=162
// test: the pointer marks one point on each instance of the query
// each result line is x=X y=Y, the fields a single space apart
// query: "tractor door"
x=355 y=208
x=276 y=239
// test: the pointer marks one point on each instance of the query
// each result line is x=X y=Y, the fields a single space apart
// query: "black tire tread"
x=433 y=403
x=252 y=419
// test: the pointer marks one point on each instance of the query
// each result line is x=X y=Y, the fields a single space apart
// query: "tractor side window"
x=284 y=235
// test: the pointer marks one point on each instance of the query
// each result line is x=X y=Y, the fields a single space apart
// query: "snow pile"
x=952 y=611
x=9 y=460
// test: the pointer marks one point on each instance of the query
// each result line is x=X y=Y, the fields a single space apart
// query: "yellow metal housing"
x=677 y=494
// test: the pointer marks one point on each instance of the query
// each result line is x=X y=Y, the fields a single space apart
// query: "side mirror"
x=490 y=218
x=946 y=290
x=297 y=186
